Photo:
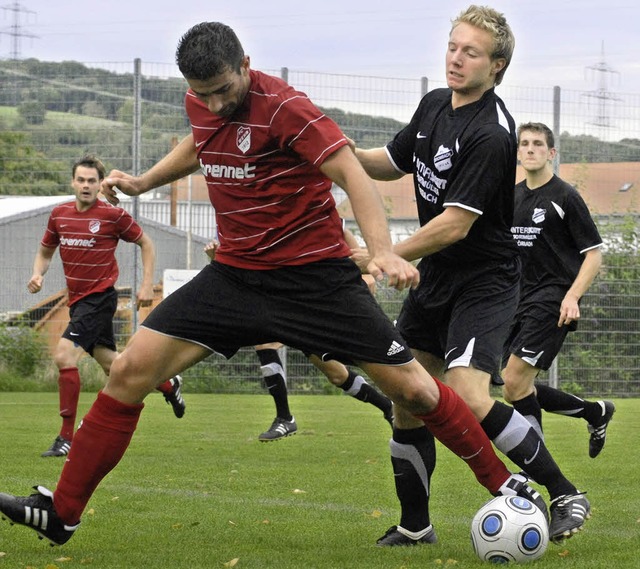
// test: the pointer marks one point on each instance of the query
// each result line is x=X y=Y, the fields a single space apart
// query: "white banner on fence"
x=173 y=279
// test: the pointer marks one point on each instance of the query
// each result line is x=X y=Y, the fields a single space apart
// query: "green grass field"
x=203 y=492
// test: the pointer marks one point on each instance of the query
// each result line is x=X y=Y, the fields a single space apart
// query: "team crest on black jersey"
x=94 y=226
x=442 y=159
x=243 y=139
x=538 y=215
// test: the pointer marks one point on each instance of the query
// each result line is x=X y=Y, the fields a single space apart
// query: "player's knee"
x=515 y=390
x=402 y=419
x=129 y=375
x=418 y=396
x=516 y=386
x=336 y=379
x=64 y=358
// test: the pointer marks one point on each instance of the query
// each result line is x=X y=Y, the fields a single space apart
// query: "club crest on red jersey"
x=94 y=226
x=243 y=139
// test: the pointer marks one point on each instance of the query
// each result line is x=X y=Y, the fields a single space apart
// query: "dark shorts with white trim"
x=462 y=315
x=535 y=336
x=91 y=321
x=321 y=308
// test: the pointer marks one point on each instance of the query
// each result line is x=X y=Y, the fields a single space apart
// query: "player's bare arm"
x=351 y=240
x=452 y=225
x=376 y=163
x=344 y=169
x=148 y=255
x=360 y=256
x=569 y=308
x=40 y=267
x=180 y=162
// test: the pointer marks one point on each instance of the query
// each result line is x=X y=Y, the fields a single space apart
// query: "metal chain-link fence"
x=130 y=114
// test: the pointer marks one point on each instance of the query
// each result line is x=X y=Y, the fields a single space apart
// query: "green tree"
x=33 y=112
x=602 y=356
x=25 y=171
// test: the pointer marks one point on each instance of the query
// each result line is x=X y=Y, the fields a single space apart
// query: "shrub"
x=22 y=350
x=33 y=112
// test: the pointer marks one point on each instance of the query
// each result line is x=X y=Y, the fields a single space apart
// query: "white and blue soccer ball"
x=509 y=529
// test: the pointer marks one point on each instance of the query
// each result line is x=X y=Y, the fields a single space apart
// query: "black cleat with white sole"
x=598 y=430
x=279 y=429
x=398 y=536
x=37 y=512
x=568 y=514
x=518 y=485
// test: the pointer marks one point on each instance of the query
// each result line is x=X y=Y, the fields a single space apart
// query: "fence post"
x=556 y=128
x=135 y=152
x=189 y=218
x=553 y=370
x=424 y=86
x=173 y=193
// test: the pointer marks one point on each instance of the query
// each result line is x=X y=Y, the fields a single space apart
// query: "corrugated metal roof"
x=15 y=205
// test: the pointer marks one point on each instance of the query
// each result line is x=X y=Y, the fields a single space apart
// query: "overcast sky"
x=557 y=41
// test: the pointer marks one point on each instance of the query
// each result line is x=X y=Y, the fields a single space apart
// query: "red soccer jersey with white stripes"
x=273 y=205
x=88 y=241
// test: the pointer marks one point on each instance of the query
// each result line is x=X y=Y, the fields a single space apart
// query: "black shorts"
x=535 y=336
x=462 y=315
x=91 y=321
x=322 y=308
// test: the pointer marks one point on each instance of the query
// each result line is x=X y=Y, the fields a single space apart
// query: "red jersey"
x=88 y=241
x=273 y=205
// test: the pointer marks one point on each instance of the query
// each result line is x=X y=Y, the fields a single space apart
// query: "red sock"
x=98 y=446
x=166 y=387
x=69 y=392
x=455 y=426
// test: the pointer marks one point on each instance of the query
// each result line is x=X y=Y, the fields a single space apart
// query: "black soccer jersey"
x=465 y=158
x=553 y=228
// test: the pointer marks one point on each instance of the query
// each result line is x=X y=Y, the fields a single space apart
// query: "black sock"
x=413 y=457
x=530 y=409
x=357 y=387
x=556 y=401
x=274 y=379
x=514 y=436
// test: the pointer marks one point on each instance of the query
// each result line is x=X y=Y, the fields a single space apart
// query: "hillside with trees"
x=51 y=112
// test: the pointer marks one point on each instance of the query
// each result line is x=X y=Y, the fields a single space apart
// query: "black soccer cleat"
x=598 y=430
x=568 y=514
x=37 y=512
x=279 y=429
x=174 y=397
x=518 y=485
x=60 y=447
x=395 y=537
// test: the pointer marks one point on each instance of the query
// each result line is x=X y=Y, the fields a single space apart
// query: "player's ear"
x=498 y=65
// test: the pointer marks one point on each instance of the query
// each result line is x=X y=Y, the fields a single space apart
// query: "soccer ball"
x=509 y=528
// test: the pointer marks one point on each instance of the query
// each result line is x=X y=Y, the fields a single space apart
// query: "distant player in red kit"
x=87 y=231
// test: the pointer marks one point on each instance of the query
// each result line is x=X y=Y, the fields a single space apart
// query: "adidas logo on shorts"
x=394 y=348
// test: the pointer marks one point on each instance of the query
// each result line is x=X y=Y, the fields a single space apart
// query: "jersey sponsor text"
x=525 y=236
x=245 y=172
x=72 y=242
x=429 y=185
